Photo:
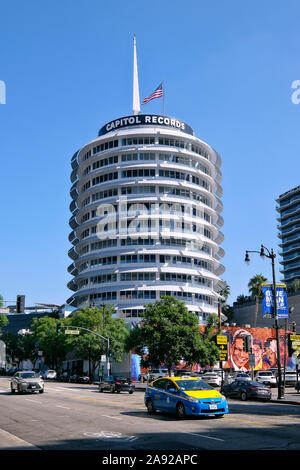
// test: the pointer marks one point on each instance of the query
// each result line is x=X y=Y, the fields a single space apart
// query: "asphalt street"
x=78 y=417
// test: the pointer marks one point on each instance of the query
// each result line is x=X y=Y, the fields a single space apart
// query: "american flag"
x=156 y=94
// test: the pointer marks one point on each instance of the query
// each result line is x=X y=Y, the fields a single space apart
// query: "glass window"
x=160 y=383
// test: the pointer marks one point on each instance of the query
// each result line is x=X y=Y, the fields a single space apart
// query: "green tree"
x=89 y=346
x=1 y=300
x=225 y=291
x=14 y=348
x=54 y=345
x=3 y=321
x=170 y=333
x=254 y=286
x=242 y=299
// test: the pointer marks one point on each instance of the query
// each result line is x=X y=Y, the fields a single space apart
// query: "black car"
x=245 y=389
x=116 y=384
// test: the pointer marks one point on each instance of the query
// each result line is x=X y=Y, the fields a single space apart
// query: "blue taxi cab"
x=185 y=396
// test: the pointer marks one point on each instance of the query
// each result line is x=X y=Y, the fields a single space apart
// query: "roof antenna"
x=136 y=94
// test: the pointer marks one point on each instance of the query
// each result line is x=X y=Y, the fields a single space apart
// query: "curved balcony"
x=74 y=192
x=72 y=253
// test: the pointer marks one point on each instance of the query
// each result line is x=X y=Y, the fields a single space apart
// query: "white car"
x=153 y=374
x=212 y=379
x=49 y=374
x=266 y=377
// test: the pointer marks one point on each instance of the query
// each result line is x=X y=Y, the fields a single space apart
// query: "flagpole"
x=136 y=94
x=163 y=87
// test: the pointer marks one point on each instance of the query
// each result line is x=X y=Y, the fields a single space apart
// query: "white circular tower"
x=146 y=218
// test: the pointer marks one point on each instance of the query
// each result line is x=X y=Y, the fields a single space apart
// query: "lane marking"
x=201 y=435
x=112 y=417
x=99 y=400
x=65 y=407
x=255 y=422
x=34 y=401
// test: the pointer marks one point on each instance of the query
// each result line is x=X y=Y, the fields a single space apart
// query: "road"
x=78 y=417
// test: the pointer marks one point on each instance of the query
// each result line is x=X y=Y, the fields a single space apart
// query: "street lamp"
x=271 y=255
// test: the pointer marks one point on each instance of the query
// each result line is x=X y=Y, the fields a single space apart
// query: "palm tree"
x=254 y=286
x=225 y=291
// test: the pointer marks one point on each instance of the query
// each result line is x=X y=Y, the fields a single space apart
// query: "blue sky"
x=67 y=65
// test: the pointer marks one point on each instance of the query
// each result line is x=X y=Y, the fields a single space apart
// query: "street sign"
x=222 y=347
x=221 y=339
x=251 y=360
x=223 y=356
x=72 y=332
x=103 y=358
x=294 y=337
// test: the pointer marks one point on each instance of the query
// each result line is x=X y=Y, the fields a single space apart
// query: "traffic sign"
x=223 y=356
x=221 y=339
x=72 y=332
x=251 y=360
x=294 y=337
x=222 y=347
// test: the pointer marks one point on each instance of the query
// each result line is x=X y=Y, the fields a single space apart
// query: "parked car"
x=212 y=379
x=182 y=372
x=116 y=384
x=83 y=379
x=79 y=379
x=237 y=376
x=245 y=389
x=153 y=374
x=27 y=381
x=290 y=378
x=49 y=374
x=64 y=377
x=184 y=396
x=266 y=377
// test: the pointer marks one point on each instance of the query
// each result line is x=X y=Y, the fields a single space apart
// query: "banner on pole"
x=268 y=300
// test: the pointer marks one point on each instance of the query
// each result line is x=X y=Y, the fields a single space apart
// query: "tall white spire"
x=136 y=94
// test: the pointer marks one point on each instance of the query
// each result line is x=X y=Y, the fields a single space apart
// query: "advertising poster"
x=268 y=301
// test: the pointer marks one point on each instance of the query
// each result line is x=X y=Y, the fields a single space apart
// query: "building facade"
x=289 y=234
x=146 y=218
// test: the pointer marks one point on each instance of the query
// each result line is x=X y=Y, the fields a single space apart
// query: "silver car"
x=26 y=381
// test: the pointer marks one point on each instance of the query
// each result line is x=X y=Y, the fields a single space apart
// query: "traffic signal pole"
x=58 y=326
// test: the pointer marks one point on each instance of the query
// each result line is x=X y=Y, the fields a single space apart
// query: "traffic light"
x=109 y=353
x=247 y=343
x=20 y=303
x=58 y=328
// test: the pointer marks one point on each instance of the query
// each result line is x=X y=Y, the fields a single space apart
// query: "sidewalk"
x=291 y=396
x=10 y=442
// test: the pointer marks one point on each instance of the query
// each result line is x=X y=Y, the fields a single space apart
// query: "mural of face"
x=238 y=355
x=257 y=350
x=270 y=355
